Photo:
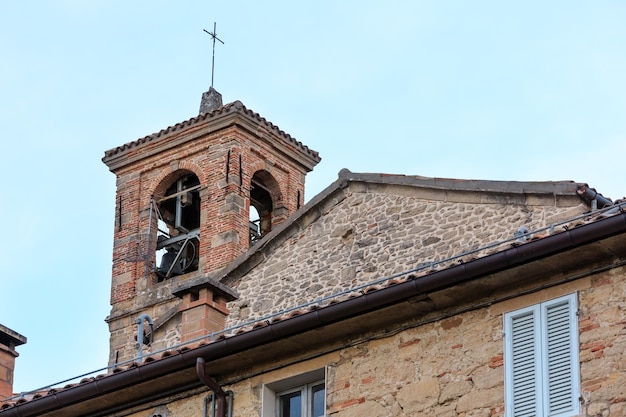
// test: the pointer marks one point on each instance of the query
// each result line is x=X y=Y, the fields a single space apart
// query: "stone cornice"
x=231 y=115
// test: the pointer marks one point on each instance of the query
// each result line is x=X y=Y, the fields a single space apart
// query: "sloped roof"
x=605 y=227
x=229 y=110
x=178 y=362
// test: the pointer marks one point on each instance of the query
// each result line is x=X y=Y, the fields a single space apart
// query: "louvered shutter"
x=541 y=360
x=560 y=358
x=524 y=384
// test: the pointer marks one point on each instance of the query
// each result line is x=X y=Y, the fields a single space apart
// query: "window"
x=300 y=396
x=541 y=360
x=178 y=225
x=264 y=193
x=302 y=401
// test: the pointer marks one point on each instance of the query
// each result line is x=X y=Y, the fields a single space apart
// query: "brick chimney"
x=203 y=307
x=8 y=341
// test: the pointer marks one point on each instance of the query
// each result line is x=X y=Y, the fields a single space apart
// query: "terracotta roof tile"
x=234 y=107
x=361 y=291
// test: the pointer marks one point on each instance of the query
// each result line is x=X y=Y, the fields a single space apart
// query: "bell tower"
x=190 y=199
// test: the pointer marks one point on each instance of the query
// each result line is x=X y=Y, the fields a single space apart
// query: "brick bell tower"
x=190 y=199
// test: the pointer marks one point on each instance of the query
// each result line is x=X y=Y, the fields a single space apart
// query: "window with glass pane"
x=304 y=401
x=291 y=404
x=318 y=401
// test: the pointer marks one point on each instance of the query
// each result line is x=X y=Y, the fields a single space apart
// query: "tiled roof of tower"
x=230 y=108
x=569 y=234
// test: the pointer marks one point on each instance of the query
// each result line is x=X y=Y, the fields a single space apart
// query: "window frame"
x=307 y=398
x=555 y=323
x=303 y=383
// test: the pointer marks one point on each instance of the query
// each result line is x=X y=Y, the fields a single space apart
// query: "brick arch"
x=266 y=198
x=169 y=174
x=259 y=165
x=271 y=183
x=262 y=166
x=179 y=219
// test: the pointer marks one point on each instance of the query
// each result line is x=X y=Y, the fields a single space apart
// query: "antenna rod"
x=214 y=36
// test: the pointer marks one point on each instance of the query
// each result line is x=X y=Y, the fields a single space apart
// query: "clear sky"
x=498 y=90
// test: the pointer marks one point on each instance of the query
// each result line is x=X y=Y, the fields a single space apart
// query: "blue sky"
x=477 y=90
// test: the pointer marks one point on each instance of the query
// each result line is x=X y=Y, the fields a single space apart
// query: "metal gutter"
x=531 y=251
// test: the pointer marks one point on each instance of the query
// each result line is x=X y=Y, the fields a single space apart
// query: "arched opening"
x=178 y=225
x=255 y=225
x=264 y=193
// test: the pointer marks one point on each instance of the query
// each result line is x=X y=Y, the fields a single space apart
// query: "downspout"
x=213 y=386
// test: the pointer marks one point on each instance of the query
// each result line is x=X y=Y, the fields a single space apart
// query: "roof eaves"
x=602 y=227
x=230 y=108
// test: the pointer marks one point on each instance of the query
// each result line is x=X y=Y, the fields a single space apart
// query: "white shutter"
x=541 y=360
x=523 y=363
x=560 y=358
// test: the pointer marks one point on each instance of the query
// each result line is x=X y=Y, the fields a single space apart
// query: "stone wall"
x=451 y=365
x=367 y=232
x=454 y=366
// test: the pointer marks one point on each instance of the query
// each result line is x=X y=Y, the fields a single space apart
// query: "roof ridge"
x=463 y=184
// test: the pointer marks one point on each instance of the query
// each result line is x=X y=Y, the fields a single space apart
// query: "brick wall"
x=214 y=157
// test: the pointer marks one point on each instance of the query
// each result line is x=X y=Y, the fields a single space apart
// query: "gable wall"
x=365 y=232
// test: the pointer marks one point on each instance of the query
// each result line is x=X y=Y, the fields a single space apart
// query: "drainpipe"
x=213 y=386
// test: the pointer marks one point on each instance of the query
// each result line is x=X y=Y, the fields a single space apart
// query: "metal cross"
x=214 y=36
